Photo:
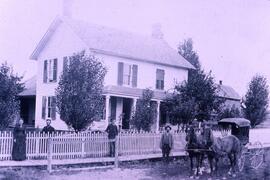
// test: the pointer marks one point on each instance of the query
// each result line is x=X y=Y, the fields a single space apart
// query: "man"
x=112 y=133
x=166 y=143
x=48 y=128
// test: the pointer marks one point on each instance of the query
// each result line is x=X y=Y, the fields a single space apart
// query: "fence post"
x=49 y=156
x=116 y=159
x=83 y=145
x=37 y=139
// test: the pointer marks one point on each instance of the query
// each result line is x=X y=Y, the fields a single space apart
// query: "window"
x=50 y=71
x=127 y=74
x=48 y=107
x=160 y=79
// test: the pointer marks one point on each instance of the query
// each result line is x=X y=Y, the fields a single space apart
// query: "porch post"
x=158 y=115
x=134 y=103
x=107 y=109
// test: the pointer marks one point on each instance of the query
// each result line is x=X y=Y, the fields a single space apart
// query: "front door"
x=127 y=105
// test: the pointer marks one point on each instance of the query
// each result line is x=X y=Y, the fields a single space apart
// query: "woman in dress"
x=19 y=142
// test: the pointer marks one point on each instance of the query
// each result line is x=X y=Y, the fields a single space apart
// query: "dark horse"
x=212 y=147
x=193 y=148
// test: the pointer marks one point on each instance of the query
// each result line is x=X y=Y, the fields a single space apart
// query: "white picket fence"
x=95 y=145
x=86 y=145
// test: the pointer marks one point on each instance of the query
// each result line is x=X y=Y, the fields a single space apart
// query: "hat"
x=168 y=126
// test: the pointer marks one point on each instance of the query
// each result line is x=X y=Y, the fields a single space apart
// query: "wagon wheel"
x=241 y=160
x=257 y=156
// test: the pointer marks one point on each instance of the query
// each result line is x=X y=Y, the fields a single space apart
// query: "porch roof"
x=131 y=92
x=29 y=87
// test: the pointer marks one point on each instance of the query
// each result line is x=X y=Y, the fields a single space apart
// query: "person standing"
x=112 y=133
x=166 y=143
x=48 y=128
x=19 y=142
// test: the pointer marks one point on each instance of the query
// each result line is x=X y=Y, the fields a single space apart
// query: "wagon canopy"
x=241 y=122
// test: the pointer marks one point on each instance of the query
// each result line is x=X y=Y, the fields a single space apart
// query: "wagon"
x=254 y=151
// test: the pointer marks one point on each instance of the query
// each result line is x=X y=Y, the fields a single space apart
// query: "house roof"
x=29 y=87
x=227 y=92
x=116 y=42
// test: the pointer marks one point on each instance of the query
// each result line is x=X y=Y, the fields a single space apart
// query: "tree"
x=203 y=91
x=196 y=97
x=180 y=110
x=10 y=87
x=229 y=112
x=79 y=93
x=256 y=100
x=185 y=49
x=145 y=112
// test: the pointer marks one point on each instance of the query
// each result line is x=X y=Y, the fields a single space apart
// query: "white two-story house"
x=134 y=62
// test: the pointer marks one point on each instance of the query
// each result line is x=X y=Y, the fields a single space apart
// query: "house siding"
x=64 y=43
x=146 y=72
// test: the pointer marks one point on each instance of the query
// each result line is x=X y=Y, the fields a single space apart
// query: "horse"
x=219 y=147
x=193 y=148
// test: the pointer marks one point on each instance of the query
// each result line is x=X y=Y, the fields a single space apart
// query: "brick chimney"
x=156 y=31
x=220 y=82
x=67 y=8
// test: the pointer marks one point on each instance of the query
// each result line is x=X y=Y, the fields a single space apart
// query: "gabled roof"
x=227 y=92
x=115 y=42
x=29 y=87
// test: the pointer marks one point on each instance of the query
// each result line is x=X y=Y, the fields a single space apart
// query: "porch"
x=120 y=104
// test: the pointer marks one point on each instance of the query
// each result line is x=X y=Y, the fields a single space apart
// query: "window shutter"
x=120 y=73
x=134 y=75
x=45 y=71
x=65 y=64
x=163 y=79
x=55 y=70
x=43 y=113
x=53 y=115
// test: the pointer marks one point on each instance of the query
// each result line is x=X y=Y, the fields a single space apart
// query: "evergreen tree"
x=256 y=100
x=145 y=112
x=10 y=87
x=79 y=93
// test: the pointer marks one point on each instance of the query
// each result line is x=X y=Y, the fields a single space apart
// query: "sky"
x=231 y=36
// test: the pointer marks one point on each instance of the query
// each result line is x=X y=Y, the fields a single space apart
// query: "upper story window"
x=127 y=74
x=127 y=69
x=160 y=79
x=49 y=107
x=50 y=71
